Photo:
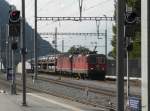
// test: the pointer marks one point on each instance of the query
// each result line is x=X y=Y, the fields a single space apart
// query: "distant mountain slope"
x=4 y=12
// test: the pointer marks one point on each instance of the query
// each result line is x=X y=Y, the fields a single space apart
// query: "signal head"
x=131 y=17
x=14 y=16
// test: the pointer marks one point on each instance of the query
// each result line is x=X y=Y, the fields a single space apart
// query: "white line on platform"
x=55 y=102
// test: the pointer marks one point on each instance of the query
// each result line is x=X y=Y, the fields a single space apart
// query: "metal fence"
x=134 y=67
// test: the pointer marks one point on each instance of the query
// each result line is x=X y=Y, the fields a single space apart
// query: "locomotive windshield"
x=101 y=60
x=92 y=60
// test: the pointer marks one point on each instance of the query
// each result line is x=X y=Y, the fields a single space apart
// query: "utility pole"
x=106 y=41
x=128 y=77
x=145 y=39
x=120 y=54
x=7 y=51
x=97 y=27
x=127 y=38
x=23 y=53
x=8 y=48
x=31 y=51
x=106 y=37
x=13 y=84
x=55 y=43
x=35 y=42
x=62 y=46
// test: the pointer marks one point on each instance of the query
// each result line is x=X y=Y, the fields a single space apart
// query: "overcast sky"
x=71 y=8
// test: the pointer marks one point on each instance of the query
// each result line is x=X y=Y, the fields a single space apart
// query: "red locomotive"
x=83 y=66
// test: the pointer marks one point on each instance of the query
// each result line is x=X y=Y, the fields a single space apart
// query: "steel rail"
x=99 y=90
x=79 y=86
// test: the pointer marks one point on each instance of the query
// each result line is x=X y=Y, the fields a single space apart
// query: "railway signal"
x=14 y=23
x=131 y=17
x=14 y=34
x=130 y=47
x=130 y=22
x=14 y=27
x=14 y=45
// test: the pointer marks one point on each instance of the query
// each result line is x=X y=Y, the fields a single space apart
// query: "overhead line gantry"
x=75 y=19
x=76 y=33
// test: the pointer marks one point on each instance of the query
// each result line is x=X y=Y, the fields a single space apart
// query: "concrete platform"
x=40 y=102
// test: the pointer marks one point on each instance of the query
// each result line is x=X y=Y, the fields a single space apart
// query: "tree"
x=113 y=42
x=79 y=50
x=136 y=52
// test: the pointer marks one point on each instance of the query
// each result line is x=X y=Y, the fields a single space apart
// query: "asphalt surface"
x=40 y=102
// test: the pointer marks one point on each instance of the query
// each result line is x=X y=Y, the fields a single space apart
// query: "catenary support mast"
x=35 y=43
x=120 y=55
x=23 y=53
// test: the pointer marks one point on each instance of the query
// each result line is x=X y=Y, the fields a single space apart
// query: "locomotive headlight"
x=103 y=68
x=91 y=68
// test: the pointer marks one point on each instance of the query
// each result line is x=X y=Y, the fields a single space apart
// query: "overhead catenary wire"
x=80 y=7
x=66 y=5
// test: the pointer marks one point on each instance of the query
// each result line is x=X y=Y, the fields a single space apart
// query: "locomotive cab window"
x=101 y=60
x=92 y=60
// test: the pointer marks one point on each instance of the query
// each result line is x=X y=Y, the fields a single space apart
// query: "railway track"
x=89 y=88
x=101 y=91
x=34 y=87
